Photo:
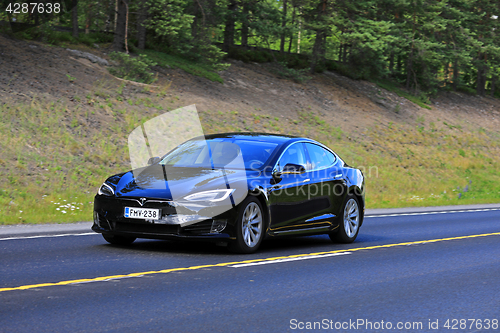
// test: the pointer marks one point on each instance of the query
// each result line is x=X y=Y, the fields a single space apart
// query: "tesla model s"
x=235 y=189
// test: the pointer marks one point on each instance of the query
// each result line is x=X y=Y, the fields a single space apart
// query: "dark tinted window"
x=225 y=153
x=294 y=154
x=256 y=153
x=320 y=157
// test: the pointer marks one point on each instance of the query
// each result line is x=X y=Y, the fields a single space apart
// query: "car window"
x=293 y=154
x=256 y=153
x=320 y=157
x=229 y=154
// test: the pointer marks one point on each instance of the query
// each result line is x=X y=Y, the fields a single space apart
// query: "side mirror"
x=276 y=177
x=153 y=160
x=294 y=169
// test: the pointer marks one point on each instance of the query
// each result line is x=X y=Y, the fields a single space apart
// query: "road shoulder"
x=410 y=210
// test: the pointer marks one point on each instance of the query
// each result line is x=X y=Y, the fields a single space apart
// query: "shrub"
x=132 y=68
x=250 y=55
x=349 y=71
x=192 y=67
x=298 y=75
x=320 y=67
x=211 y=55
x=467 y=90
x=298 y=62
x=86 y=39
x=331 y=65
x=101 y=37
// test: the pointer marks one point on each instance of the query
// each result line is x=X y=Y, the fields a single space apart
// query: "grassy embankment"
x=54 y=155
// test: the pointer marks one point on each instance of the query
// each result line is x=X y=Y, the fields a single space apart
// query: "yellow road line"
x=179 y=269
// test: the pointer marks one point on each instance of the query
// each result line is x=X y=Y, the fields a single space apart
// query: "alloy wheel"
x=252 y=224
x=351 y=218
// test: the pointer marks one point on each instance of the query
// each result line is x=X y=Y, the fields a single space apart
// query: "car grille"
x=114 y=220
x=165 y=205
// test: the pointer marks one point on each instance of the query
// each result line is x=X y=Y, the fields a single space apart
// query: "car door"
x=288 y=196
x=325 y=188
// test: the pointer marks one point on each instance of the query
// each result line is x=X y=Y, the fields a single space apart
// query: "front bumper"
x=109 y=219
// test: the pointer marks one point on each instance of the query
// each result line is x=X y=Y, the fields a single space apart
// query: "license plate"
x=142 y=213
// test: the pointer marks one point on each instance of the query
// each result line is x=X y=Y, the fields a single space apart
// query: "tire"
x=118 y=240
x=250 y=227
x=350 y=221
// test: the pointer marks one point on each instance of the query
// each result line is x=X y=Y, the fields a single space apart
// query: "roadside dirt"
x=29 y=70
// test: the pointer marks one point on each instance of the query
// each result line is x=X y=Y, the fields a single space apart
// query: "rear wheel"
x=249 y=227
x=118 y=240
x=349 y=225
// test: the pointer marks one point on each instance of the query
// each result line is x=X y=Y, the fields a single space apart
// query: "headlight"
x=106 y=190
x=215 y=195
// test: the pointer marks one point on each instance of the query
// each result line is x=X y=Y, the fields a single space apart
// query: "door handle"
x=337 y=177
x=306 y=180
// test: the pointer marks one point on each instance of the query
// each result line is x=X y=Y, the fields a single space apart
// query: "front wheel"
x=118 y=240
x=351 y=219
x=249 y=227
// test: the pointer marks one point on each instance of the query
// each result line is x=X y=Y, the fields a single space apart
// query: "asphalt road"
x=410 y=272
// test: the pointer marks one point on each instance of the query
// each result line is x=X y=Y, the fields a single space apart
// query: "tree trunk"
x=341 y=46
x=391 y=63
x=455 y=74
x=409 y=66
x=120 y=30
x=141 y=29
x=409 y=70
x=481 y=77
x=37 y=17
x=480 y=81
x=229 y=29
x=116 y=12
x=244 y=26
x=298 y=37
x=126 y=26
x=446 y=69
x=291 y=35
x=74 y=17
x=318 y=49
x=283 y=26
x=493 y=84
x=109 y=19
x=88 y=19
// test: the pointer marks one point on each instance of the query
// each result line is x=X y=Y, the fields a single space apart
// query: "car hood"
x=174 y=183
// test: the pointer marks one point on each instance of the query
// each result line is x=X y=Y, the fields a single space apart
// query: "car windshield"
x=217 y=153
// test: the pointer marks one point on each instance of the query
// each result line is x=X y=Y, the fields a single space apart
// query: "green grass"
x=391 y=86
x=53 y=154
x=169 y=60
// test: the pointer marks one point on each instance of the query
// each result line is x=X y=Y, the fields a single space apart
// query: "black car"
x=235 y=189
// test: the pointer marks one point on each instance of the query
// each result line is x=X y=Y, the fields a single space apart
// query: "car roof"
x=256 y=136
